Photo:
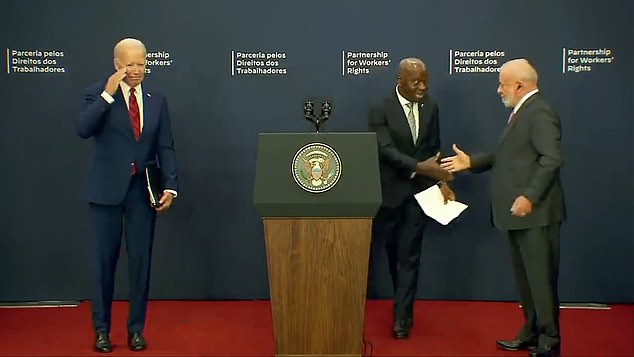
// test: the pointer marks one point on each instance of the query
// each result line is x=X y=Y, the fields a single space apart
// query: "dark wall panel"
x=210 y=245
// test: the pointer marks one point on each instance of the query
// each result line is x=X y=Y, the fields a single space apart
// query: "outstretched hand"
x=460 y=161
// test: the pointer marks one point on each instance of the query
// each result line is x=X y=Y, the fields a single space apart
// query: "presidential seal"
x=316 y=167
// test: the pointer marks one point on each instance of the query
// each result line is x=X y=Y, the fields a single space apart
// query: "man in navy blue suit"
x=131 y=129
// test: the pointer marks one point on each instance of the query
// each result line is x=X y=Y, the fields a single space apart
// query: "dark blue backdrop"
x=210 y=245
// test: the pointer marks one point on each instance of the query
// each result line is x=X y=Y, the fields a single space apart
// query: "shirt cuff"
x=172 y=192
x=107 y=97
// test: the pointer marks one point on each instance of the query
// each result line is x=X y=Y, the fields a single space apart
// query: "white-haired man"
x=527 y=202
x=131 y=129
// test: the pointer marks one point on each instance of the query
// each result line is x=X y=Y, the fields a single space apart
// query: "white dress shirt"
x=524 y=98
x=125 y=90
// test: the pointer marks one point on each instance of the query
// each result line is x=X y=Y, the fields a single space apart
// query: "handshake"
x=432 y=169
x=443 y=171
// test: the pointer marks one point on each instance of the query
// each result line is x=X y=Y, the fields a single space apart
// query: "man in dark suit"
x=527 y=201
x=407 y=129
x=131 y=128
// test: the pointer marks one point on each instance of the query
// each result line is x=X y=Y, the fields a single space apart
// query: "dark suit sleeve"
x=545 y=137
x=166 y=152
x=91 y=117
x=388 y=152
x=481 y=162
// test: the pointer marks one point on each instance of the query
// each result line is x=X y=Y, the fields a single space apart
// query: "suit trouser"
x=401 y=229
x=135 y=219
x=535 y=257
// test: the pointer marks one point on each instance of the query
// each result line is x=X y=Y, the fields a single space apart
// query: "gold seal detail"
x=316 y=167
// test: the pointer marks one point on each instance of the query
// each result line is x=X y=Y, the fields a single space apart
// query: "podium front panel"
x=357 y=193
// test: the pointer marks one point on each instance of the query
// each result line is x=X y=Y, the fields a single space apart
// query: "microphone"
x=326 y=108
x=308 y=110
x=324 y=113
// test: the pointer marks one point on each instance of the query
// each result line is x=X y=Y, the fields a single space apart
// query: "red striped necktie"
x=135 y=117
x=135 y=120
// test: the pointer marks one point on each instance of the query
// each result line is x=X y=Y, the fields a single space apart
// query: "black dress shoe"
x=136 y=342
x=545 y=351
x=515 y=345
x=401 y=328
x=102 y=342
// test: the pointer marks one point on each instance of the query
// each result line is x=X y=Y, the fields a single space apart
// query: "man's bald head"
x=411 y=64
x=517 y=78
x=412 y=79
x=520 y=70
x=126 y=44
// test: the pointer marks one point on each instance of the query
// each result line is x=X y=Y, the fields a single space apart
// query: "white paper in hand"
x=433 y=204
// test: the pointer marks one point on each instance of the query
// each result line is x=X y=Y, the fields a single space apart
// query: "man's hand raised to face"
x=113 y=81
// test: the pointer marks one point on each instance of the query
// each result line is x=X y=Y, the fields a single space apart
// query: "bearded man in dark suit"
x=527 y=202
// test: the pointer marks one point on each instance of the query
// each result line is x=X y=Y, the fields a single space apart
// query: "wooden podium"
x=317 y=244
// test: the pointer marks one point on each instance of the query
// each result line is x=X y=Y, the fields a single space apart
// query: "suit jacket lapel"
x=150 y=114
x=507 y=128
x=511 y=125
x=396 y=112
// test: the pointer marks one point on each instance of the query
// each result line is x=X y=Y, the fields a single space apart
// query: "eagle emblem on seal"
x=316 y=167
